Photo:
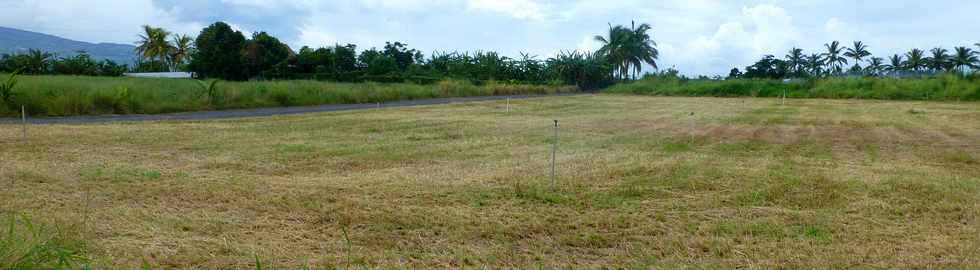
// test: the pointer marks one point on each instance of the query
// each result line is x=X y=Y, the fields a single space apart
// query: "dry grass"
x=743 y=183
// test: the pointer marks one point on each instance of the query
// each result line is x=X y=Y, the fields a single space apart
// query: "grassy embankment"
x=743 y=183
x=75 y=95
x=949 y=88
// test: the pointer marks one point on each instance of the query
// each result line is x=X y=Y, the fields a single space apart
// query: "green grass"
x=76 y=95
x=28 y=244
x=943 y=88
x=833 y=184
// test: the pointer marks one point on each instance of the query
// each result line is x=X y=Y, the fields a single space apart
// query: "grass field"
x=642 y=183
x=83 y=95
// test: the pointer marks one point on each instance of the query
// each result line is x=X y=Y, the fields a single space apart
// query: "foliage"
x=36 y=63
x=586 y=70
x=7 y=90
x=627 y=49
x=948 y=87
x=262 y=54
x=914 y=63
x=69 y=95
x=218 y=53
x=153 y=46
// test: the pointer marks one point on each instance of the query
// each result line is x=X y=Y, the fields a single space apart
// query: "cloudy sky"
x=695 y=36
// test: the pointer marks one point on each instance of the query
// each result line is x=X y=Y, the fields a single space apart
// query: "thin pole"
x=784 y=97
x=691 y=129
x=508 y=104
x=23 y=120
x=554 y=153
x=379 y=105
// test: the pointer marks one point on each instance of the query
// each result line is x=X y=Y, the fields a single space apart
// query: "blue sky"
x=695 y=36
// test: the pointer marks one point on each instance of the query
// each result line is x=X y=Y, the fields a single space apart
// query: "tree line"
x=835 y=59
x=221 y=52
x=37 y=62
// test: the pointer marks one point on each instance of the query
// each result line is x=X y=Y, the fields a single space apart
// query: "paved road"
x=207 y=115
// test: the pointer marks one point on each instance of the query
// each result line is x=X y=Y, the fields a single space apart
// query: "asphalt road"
x=258 y=112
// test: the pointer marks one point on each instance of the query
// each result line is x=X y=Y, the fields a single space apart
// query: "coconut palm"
x=894 y=64
x=153 y=44
x=833 y=57
x=964 y=59
x=182 y=48
x=814 y=64
x=875 y=66
x=939 y=60
x=629 y=48
x=915 y=60
x=858 y=53
x=796 y=60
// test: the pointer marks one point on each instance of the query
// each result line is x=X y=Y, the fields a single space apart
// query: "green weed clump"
x=948 y=88
x=27 y=244
x=80 y=95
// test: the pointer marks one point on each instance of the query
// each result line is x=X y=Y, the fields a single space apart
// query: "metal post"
x=554 y=154
x=508 y=104
x=379 y=105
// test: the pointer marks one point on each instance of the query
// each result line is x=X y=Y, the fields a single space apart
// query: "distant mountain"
x=19 y=41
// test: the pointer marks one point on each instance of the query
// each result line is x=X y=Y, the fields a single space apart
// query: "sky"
x=697 y=37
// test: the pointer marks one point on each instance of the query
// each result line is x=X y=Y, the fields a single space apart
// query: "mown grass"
x=642 y=183
x=79 y=95
x=947 y=88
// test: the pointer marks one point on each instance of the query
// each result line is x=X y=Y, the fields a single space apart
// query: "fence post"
x=23 y=120
x=784 y=97
x=508 y=104
x=691 y=129
x=554 y=154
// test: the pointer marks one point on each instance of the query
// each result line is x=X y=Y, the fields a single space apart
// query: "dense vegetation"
x=221 y=52
x=75 y=95
x=37 y=62
x=915 y=63
x=948 y=87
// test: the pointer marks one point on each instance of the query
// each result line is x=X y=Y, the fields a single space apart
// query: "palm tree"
x=182 y=48
x=858 y=52
x=628 y=48
x=894 y=64
x=939 y=60
x=915 y=60
x=153 y=44
x=643 y=49
x=38 y=61
x=875 y=66
x=964 y=59
x=814 y=64
x=796 y=60
x=833 y=57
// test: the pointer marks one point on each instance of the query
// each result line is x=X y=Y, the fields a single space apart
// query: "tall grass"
x=28 y=244
x=940 y=88
x=78 y=95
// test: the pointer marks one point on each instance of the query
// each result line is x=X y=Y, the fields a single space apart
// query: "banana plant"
x=7 y=88
x=211 y=89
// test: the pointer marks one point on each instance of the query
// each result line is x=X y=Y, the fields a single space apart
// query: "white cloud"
x=589 y=44
x=519 y=9
x=762 y=29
